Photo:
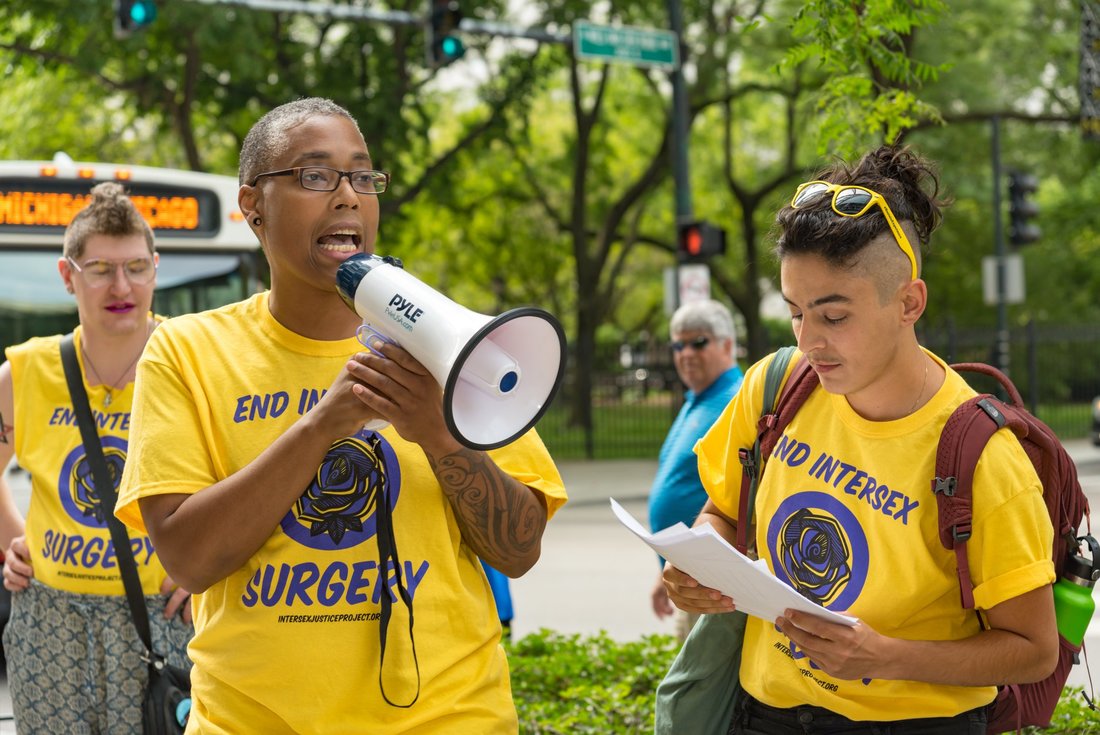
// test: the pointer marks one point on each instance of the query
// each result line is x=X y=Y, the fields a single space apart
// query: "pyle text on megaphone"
x=498 y=374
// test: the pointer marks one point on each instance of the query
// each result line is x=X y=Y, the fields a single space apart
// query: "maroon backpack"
x=961 y=443
x=962 y=440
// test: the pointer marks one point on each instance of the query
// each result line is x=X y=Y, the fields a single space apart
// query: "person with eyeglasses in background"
x=73 y=654
x=845 y=510
x=336 y=569
x=704 y=351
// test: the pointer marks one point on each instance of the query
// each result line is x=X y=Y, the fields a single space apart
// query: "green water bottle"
x=1073 y=603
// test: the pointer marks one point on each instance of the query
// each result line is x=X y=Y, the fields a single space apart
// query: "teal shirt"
x=677 y=494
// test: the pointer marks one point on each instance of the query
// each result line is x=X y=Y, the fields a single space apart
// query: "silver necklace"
x=113 y=385
x=920 y=395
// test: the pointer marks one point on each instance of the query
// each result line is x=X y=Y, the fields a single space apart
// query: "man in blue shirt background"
x=704 y=352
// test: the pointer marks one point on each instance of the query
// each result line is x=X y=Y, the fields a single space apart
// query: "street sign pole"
x=680 y=162
x=999 y=249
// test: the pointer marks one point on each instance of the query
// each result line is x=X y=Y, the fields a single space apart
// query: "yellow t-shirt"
x=290 y=641
x=67 y=533
x=845 y=513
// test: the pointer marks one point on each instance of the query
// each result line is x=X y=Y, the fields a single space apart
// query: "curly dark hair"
x=909 y=184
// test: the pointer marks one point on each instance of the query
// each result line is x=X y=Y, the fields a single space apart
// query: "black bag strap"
x=387 y=557
x=105 y=490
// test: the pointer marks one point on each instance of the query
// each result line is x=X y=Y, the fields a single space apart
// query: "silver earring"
x=256 y=221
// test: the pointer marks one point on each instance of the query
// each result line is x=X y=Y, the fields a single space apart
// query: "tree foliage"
x=524 y=176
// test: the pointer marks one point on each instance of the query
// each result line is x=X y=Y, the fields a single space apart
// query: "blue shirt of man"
x=677 y=494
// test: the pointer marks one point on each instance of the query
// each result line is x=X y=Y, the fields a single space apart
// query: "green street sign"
x=625 y=44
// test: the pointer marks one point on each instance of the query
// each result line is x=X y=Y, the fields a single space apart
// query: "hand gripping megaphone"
x=498 y=373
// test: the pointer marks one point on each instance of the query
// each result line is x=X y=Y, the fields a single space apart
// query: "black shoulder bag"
x=167 y=701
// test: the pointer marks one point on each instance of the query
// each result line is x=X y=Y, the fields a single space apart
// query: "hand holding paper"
x=709 y=558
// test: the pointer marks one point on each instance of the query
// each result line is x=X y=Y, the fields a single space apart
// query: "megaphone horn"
x=498 y=373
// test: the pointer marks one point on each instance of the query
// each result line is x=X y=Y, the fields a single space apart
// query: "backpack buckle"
x=960 y=531
x=945 y=485
x=748 y=462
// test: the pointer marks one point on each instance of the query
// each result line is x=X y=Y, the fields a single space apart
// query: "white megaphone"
x=498 y=373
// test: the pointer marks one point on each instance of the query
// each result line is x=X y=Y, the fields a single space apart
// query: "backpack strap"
x=962 y=441
x=779 y=408
x=983 y=369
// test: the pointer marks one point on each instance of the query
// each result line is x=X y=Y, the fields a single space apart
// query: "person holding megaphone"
x=336 y=571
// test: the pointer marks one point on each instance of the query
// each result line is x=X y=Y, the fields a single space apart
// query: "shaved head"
x=883 y=262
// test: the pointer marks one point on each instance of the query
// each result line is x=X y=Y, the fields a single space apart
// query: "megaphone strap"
x=387 y=553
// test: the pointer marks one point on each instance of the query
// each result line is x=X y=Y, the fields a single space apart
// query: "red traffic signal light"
x=697 y=239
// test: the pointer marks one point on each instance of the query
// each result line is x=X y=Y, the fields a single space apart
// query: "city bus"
x=208 y=255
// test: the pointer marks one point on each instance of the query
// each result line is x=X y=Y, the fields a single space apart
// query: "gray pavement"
x=594 y=575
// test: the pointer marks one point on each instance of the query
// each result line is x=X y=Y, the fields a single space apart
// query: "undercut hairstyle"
x=269 y=138
x=707 y=316
x=109 y=212
x=910 y=186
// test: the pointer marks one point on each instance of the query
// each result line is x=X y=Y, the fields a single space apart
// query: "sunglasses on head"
x=855 y=201
x=699 y=343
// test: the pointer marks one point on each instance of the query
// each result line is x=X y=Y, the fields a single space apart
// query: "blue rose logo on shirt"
x=818 y=547
x=338 y=509
x=815 y=555
x=343 y=494
x=76 y=485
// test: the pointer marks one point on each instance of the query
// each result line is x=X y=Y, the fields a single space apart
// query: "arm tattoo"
x=5 y=429
x=500 y=517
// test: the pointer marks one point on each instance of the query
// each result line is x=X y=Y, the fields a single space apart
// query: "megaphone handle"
x=376 y=425
x=365 y=341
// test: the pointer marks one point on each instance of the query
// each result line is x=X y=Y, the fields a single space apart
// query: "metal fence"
x=636 y=391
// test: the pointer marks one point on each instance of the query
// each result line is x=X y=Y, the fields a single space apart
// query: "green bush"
x=574 y=685
x=1074 y=716
x=593 y=685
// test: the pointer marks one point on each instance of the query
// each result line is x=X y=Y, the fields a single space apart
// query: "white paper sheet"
x=710 y=559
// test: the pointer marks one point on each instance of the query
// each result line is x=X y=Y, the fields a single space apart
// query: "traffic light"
x=1021 y=209
x=443 y=46
x=698 y=239
x=133 y=15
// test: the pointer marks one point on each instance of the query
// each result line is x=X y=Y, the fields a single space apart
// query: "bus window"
x=208 y=255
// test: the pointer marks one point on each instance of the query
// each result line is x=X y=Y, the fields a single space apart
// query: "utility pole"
x=680 y=165
x=679 y=120
x=999 y=250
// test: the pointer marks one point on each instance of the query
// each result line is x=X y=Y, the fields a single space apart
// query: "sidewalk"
x=593 y=574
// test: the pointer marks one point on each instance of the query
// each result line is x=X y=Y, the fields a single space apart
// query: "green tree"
x=543 y=180
x=1029 y=81
x=206 y=72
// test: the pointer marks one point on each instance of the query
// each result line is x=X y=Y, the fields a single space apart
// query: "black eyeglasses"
x=698 y=344
x=321 y=178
